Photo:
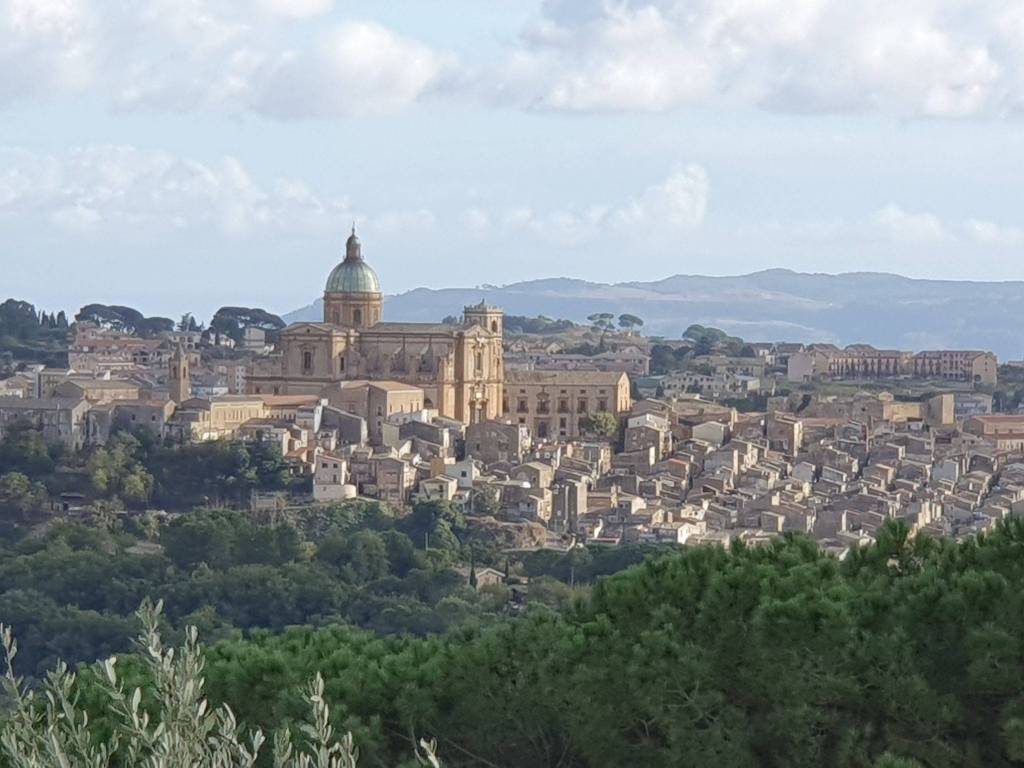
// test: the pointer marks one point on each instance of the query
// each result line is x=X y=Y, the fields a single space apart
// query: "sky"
x=181 y=155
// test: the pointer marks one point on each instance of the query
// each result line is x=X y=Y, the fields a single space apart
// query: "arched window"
x=337 y=317
x=494 y=326
x=307 y=361
x=357 y=317
x=479 y=362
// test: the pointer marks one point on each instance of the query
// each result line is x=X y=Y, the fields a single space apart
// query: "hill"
x=773 y=305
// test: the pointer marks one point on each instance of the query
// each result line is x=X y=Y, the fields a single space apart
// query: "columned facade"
x=459 y=367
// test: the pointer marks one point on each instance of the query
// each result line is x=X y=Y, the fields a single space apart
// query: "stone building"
x=862 y=361
x=197 y=420
x=551 y=403
x=498 y=440
x=460 y=367
x=96 y=390
x=61 y=420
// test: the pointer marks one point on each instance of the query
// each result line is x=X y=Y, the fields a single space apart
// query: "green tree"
x=601 y=423
x=20 y=496
x=630 y=322
x=23 y=449
x=184 y=731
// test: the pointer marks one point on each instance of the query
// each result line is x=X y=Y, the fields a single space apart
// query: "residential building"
x=552 y=403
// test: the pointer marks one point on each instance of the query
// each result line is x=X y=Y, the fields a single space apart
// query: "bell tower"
x=180 y=379
x=487 y=317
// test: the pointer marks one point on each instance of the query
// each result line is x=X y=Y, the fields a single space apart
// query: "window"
x=563 y=405
x=494 y=326
x=581 y=406
x=602 y=405
x=523 y=406
x=357 y=317
x=479 y=362
x=307 y=362
x=341 y=364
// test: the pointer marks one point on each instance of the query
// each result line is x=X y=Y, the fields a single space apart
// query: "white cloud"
x=117 y=190
x=297 y=9
x=931 y=57
x=677 y=204
x=989 y=233
x=680 y=201
x=355 y=69
x=271 y=57
x=299 y=58
x=46 y=46
x=911 y=227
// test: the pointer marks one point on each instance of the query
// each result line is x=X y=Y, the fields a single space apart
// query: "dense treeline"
x=909 y=653
x=72 y=591
x=136 y=471
x=28 y=334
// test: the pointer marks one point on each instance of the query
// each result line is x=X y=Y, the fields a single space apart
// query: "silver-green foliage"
x=48 y=728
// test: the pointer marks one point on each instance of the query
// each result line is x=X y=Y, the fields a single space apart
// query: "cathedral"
x=458 y=367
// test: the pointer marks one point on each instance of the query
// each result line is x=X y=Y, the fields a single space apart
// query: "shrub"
x=174 y=728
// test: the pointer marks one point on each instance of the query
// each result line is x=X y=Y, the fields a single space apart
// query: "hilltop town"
x=590 y=434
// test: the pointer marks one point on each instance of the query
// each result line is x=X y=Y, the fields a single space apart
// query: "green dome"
x=353 y=275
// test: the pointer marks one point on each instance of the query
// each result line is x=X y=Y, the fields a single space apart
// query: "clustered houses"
x=690 y=471
x=402 y=412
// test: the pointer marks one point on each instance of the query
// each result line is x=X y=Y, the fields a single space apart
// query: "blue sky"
x=178 y=155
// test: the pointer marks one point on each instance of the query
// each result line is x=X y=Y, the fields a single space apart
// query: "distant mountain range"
x=774 y=305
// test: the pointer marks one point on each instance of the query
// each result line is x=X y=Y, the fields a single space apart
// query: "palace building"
x=459 y=367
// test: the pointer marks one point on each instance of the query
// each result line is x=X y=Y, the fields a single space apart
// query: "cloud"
x=680 y=201
x=301 y=59
x=115 y=190
x=911 y=227
x=46 y=46
x=946 y=58
x=355 y=69
x=988 y=233
x=677 y=204
x=283 y=58
x=296 y=9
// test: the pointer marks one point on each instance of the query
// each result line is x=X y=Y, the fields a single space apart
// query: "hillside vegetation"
x=909 y=653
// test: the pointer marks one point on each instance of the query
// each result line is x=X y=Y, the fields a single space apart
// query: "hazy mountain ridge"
x=777 y=304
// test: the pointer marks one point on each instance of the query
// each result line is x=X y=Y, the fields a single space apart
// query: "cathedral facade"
x=460 y=368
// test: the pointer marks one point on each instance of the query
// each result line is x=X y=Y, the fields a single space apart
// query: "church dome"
x=353 y=275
